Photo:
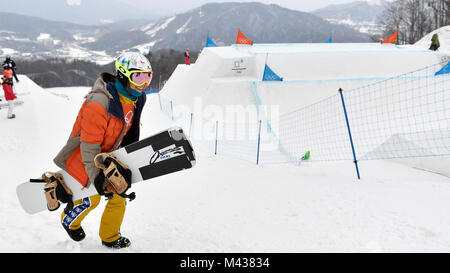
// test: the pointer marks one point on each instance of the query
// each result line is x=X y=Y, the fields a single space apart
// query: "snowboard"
x=163 y=153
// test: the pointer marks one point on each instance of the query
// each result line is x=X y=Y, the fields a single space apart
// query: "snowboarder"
x=108 y=119
x=187 y=58
x=434 y=42
x=10 y=64
x=7 y=83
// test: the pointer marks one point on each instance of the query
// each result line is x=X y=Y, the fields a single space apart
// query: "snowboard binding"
x=56 y=190
x=117 y=176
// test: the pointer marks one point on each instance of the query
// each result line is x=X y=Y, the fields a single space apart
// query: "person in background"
x=187 y=57
x=7 y=83
x=10 y=64
x=434 y=42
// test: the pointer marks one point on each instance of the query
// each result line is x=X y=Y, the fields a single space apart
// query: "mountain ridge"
x=359 y=15
x=35 y=38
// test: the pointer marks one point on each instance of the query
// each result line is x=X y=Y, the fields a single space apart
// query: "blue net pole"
x=349 y=133
x=259 y=143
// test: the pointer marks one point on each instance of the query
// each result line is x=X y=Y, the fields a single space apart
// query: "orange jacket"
x=100 y=127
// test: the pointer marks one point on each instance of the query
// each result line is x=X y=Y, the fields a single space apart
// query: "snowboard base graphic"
x=163 y=153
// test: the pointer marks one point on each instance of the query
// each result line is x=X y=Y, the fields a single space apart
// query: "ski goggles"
x=140 y=78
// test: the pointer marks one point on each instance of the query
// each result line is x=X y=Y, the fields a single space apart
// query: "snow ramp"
x=42 y=116
x=233 y=75
x=225 y=89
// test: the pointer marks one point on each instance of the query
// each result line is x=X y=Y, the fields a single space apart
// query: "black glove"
x=99 y=183
x=101 y=186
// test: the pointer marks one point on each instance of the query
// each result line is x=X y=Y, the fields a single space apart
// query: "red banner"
x=392 y=39
x=241 y=39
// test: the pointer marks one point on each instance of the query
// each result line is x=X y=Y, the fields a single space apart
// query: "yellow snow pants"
x=111 y=219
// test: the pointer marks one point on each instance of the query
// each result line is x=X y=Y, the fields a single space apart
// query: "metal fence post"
x=159 y=89
x=217 y=129
x=259 y=142
x=160 y=104
x=190 y=126
x=349 y=133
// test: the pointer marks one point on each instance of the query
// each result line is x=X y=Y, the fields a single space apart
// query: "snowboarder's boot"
x=13 y=116
x=122 y=242
x=77 y=234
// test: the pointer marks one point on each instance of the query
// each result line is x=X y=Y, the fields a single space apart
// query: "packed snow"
x=444 y=39
x=224 y=204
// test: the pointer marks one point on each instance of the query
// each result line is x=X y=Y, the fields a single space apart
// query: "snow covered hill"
x=222 y=204
x=26 y=37
x=310 y=71
x=444 y=39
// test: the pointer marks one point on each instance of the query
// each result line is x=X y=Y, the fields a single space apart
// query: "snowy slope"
x=223 y=205
x=444 y=39
x=310 y=71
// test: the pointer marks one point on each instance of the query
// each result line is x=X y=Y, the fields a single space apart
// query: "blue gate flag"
x=209 y=42
x=269 y=75
x=444 y=70
x=330 y=40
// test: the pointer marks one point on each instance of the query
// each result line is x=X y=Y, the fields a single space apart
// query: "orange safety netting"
x=392 y=39
x=241 y=39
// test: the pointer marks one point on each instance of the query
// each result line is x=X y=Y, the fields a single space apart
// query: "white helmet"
x=128 y=62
